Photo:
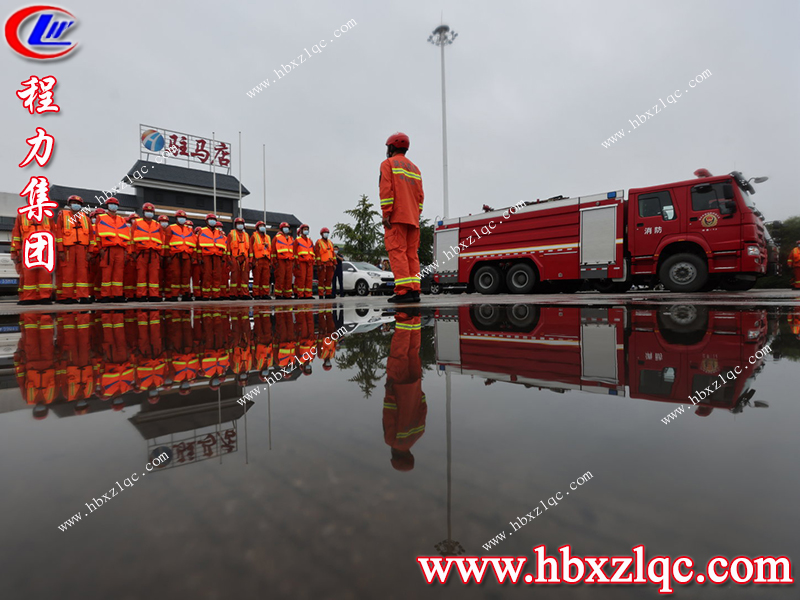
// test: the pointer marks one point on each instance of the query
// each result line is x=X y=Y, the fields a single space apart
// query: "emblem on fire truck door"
x=709 y=365
x=709 y=220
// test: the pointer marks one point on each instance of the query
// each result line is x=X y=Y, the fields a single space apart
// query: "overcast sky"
x=533 y=89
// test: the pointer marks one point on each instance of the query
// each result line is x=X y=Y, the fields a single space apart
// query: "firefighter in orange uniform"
x=95 y=271
x=130 y=275
x=181 y=247
x=118 y=374
x=326 y=263
x=36 y=284
x=163 y=289
x=260 y=250
x=794 y=265
x=304 y=258
x=113 y=237
x=401 y=202
x=147 y=244
x=73 y=240
x=283 y=259
x=197 y=268
x=213 y=250
x=34 y=362
x=239 y=249
x=404 y=406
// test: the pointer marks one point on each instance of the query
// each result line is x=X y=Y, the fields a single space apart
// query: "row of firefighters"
x=110 y=258
x=75 y=357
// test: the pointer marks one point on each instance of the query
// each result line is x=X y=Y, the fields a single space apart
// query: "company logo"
x=38 y=32
x=709 y=365
x=152 y=140
x=709 y=220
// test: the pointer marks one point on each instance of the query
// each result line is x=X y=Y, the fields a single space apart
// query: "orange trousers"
x=35 y=284
x=261 y=277
x=148 y=274
x=402 y=244
x=112 y=266
x=283 y=278
x=197 y=279
x=179 y=272
x=325 y=278
x=304 y=278
x=796 y=282
x=212 y=275
x=240 y=278
x=72 y=275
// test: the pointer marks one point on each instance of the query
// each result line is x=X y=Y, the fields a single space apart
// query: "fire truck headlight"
x=753 y=251
x=753 y=334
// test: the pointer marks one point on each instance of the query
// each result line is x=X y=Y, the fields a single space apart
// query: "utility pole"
x=443 y=36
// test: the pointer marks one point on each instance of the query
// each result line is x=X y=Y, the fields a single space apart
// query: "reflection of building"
x=663 y=353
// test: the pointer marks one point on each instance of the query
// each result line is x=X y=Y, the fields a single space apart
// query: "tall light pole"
x=443 y=36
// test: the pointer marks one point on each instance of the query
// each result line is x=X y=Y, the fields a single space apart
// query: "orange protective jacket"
x=303 y=249
x=794 y=258
x=181 y=239
x=146 y=235
x=260 y=245
x=283 y=247
x=212 y=241
x=238 y=244
x=72 y=231
x=401 y=190
x=112 y=230
x=323 y=250
x=23 y=227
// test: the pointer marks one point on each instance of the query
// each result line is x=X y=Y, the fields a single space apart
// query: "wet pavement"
x=373 y=435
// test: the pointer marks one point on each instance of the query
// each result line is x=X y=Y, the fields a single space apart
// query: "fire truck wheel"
x=523 y=316
x=487 y=279
x=683 y=319
x=521 y=278
x=683 y=272
x=486 y=316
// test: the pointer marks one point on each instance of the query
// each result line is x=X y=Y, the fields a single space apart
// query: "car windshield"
x=362 y=266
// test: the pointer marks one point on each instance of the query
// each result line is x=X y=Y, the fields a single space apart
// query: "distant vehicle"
x=361 y=278
x=689 y=236
x=9 y=280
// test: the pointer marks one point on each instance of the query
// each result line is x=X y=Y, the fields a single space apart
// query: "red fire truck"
x=690 y=235
x=659 y=353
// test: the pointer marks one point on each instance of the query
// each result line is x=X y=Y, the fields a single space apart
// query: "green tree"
x=362 y=240
x=425 y=242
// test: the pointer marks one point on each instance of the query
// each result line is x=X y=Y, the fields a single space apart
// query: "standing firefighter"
x=73 y=239
x=146 y=246
x=326 y=263
x=213 y=249
x=95 y=271
x=181 y=247
x=401 y=202
x=794 y=265
x=113 y=238
x=260 y=250
x=304 y=257
x=197 y=267
x=283 y=258
x=239 y=248
x=35 y=283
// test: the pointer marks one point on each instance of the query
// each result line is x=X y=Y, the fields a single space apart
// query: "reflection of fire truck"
x=689 y=235
x=662 y=353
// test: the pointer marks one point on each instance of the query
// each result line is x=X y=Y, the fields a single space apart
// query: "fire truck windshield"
x=748 y=199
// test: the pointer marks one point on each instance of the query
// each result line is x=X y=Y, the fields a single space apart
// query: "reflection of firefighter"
x=283 y=259
x=794 y=321
x=326 y=351
x=262 y=342
x=304 y=336
x=184 y=364
x=35 y=284
x=284 y=337
x=241 y=356
x=151 y=367
x=239 y=249
x=304 y=263
x=794 y=265
x=118 y=375
x=113 y=237
x=34 y=363
x=73 y=239
x=326 y=261
x=215 y=339
x=260 y=254
x=76 y=369
x=404 y=407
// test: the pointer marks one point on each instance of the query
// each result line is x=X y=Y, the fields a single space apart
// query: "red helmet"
x=238 y=220
x=282 y=225
x=112 y=200
x=324 y=230
x=163 y=218
x=211 y=216
x=117 y=404
x=398 y=140
x=260 y=223
x=81 y=407
x=131 y=217
x=327 y=364
x=180 y=213
x=40 y=411
x=197 y=229
x=148 y=206
x=303 y=226
x=74 y=199
x=189 y=223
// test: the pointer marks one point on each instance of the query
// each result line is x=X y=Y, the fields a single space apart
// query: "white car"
x=361 y=278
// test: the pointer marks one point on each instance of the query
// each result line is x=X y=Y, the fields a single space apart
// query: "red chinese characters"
x=38 y=90
x=42 y=155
